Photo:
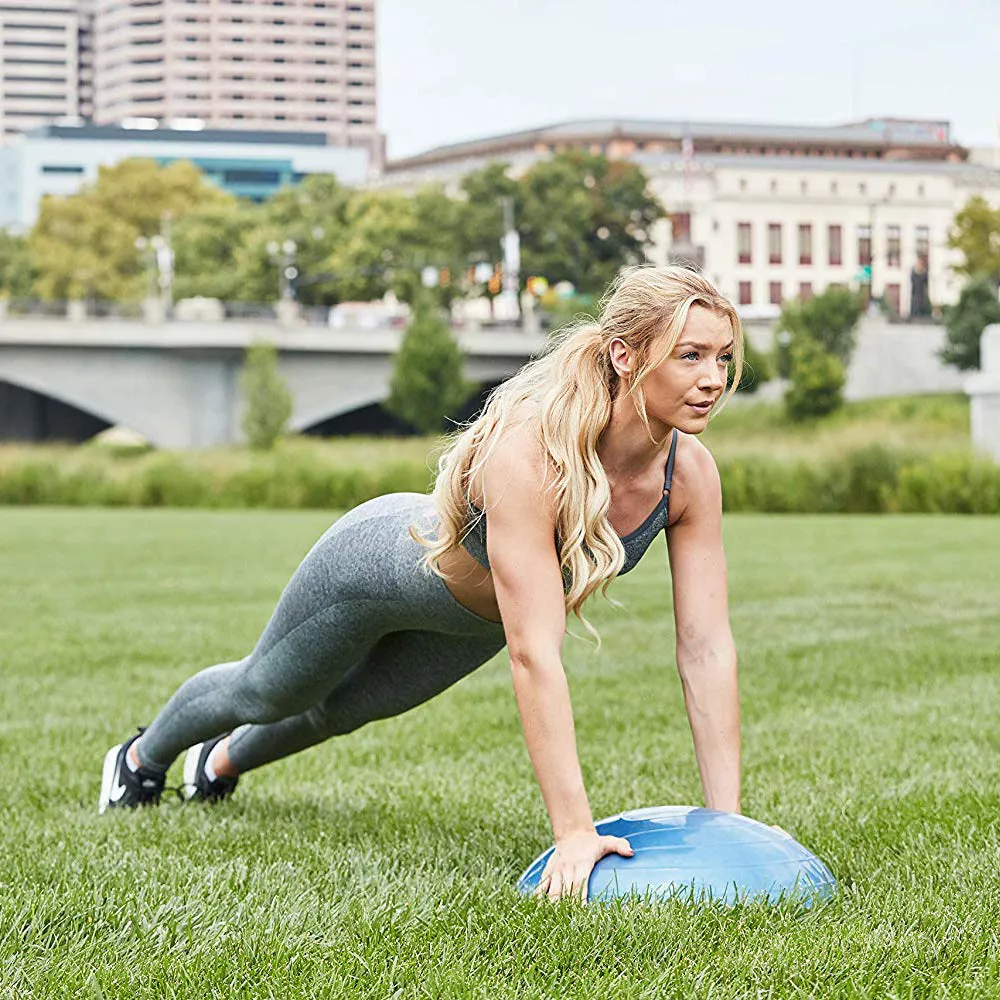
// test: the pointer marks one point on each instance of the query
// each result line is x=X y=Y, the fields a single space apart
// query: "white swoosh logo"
x=117 y=791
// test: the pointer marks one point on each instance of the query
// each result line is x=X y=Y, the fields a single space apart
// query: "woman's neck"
x=625 y=447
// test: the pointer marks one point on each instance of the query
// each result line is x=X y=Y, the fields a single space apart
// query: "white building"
x=57 y=160
x=772 y=212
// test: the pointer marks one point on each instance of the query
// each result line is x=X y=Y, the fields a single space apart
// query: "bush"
x=830 y=319
x=870 y=479
x=976 y=309
x=816 y=381
x=427 y=381
x=268 y=401
x=756 y=368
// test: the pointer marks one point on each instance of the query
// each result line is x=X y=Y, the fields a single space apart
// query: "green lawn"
x=382 y=864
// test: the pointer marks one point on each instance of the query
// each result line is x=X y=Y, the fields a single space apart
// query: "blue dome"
x=700 y=853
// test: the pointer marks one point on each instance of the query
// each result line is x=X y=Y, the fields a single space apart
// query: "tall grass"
x=910 y=454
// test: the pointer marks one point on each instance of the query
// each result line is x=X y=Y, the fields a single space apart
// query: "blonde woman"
x=572 y=469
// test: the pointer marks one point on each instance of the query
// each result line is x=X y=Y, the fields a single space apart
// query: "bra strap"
x=669 y=477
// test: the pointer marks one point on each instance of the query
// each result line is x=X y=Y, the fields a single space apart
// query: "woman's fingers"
x=555 y=888
x=619 y=845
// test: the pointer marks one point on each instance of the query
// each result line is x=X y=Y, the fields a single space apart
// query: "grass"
x=382 y=863
x=746 y=426
x=921 y=424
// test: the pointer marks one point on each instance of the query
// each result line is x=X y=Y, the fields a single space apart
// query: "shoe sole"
x=108 y=778
x=189 y=788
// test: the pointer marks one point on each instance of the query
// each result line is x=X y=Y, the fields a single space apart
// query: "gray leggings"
x=361 y=632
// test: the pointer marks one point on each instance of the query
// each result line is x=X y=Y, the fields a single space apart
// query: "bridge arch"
x=28 y=415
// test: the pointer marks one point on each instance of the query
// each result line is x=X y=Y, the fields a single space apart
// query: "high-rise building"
x=44 y=76
x=296 y=65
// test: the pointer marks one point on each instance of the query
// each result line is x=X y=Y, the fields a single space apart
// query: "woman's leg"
x=403 y=670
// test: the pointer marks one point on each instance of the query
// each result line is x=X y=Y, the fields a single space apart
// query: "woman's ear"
x=621 y=357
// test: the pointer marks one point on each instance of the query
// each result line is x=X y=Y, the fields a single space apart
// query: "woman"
x=559 y=486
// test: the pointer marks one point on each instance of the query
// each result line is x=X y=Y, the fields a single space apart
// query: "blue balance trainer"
x=690 y=853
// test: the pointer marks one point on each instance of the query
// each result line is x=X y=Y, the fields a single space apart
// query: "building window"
x=805 y=243
x=743 y=238
x=775 y=293
x=805 y=290
x=923 y=244
x=892 y=248
x=834 y=240
x=61 y=168
x=746 y=295
x=864 y=246
x=774 y=243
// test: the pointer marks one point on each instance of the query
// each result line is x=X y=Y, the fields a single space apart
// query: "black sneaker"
x=197 y=787
x=123 y=788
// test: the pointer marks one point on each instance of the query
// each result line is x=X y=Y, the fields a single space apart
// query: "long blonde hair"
x=571 y=388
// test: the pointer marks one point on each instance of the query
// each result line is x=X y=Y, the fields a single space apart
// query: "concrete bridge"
x=177 y=383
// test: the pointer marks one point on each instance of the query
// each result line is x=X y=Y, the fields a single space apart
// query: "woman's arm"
x=524 y=563
x=706 y=654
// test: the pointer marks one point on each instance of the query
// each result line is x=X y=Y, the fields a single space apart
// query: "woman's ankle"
x=219 y=761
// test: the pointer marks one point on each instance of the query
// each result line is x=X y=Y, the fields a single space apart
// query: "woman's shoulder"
x=696 y=482
x=517 y=457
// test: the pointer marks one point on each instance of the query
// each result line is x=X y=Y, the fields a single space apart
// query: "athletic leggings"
x=362 y=632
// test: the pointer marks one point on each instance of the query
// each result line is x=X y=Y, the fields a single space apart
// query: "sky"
x=459 y=69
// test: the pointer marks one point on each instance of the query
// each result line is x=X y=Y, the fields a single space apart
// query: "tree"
x=268 y=401
x=976 y=309
x=17 y=273
x=584 y=217
x=427 y=375
x=85 y=244
x=976 y=234
x=829 y=319
x=313 y=215
x=816 y=381
x=756 y=368
x=207 y=245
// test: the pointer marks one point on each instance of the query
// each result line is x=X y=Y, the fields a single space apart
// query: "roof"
x=207 y=135
x=873 y=133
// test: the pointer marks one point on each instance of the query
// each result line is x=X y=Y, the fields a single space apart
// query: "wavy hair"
x=570 y=388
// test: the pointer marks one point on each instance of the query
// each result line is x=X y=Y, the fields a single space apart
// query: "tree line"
x=580 y=217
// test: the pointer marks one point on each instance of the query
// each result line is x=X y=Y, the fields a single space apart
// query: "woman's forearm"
x=547 y=720
x=711 y=698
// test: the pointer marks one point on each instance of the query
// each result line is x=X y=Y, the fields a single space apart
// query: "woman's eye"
x=726 y=359
x=693 y=355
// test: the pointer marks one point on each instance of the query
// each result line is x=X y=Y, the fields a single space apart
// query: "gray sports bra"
x=635 y=542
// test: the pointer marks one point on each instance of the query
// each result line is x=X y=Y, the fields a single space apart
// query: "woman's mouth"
x=702 y=407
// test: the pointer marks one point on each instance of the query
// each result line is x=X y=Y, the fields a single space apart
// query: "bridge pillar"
x=984 y=394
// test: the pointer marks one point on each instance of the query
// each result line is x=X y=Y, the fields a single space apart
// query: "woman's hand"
x=568 y=869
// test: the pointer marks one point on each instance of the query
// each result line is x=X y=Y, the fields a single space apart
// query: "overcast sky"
x=458 y=69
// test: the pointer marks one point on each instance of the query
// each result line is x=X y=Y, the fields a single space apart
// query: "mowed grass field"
x=383 y=863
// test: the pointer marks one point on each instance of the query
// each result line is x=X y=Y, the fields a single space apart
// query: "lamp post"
x=282 y=255
x=158 y=259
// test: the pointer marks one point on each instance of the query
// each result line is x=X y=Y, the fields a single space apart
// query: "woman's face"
x=683 y=389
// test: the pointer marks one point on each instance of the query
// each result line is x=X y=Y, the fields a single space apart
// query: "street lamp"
x=283 y=256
